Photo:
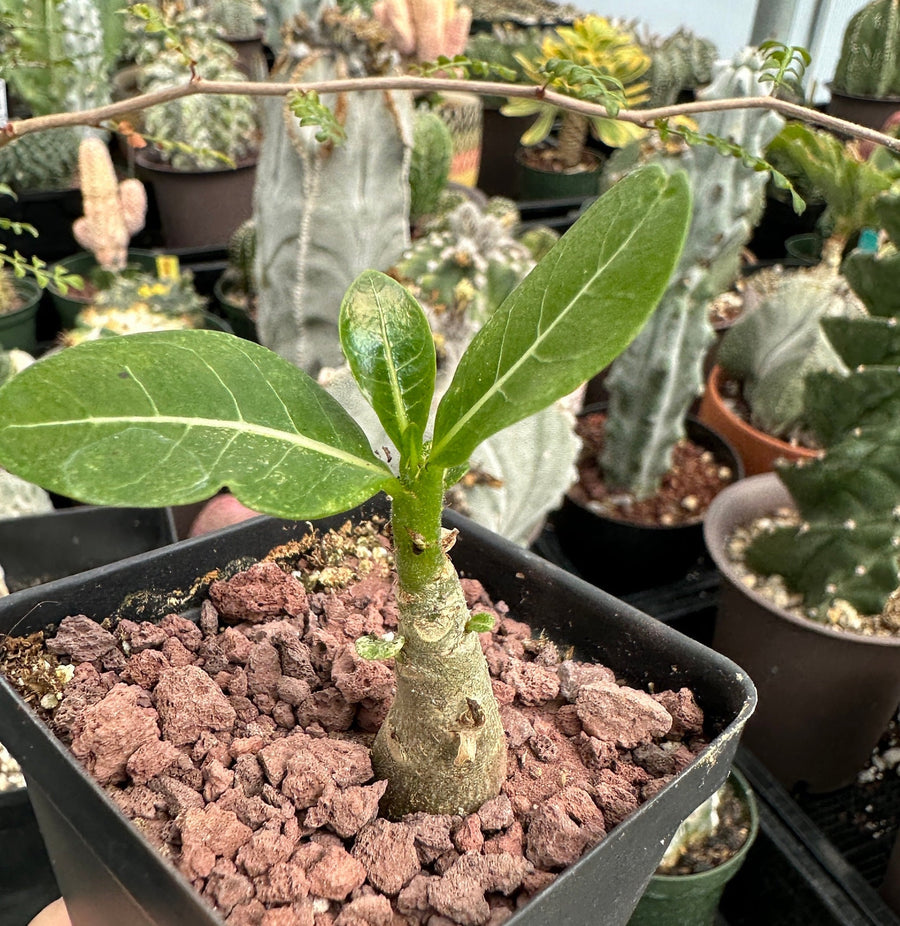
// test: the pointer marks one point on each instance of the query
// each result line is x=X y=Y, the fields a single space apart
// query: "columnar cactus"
x=683 y=61
x=425 y=29
x=869 y=64
x=234 y=19
x=654 y=381
x=430 y=164
x=41 y=161
x=845 y=548
x=113 y=210
x=242 y=255
x=324 y=214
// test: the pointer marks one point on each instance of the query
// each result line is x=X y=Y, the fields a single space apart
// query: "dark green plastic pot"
x=83 y=263
x=692 y=900
x=241 y=322
x=18 y=328
x=551 y=184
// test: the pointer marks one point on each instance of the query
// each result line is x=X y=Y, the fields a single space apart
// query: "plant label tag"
x=4 y=109
x=167 y=267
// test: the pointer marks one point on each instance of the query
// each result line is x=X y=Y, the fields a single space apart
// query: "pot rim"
x=860 y=96
x=752 y=497
x=146 y=162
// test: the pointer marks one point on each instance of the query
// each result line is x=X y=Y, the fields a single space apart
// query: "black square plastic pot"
x=110 y=875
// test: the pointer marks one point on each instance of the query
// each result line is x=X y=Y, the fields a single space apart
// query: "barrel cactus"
x=844 y=551
x=869 y=63
x=654 y=381
x=325 y=213
x=430 y=164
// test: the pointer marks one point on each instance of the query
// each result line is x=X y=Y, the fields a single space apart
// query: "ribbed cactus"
x=777 y=342
x=430 y=163
x=41 y=160
x=234 y=19
x=113 y=210
x=242 y=256
x=463 y=269
x=653 y=383
x=208 y=124
x=846 y=547
x=425 y=29
x=682 y=61
x=324 y=214
x=869 y=63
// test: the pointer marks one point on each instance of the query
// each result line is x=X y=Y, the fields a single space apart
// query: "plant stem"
x=572 y=137
x=441 y=747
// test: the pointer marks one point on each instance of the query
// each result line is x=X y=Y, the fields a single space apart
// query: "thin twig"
x=644 y=117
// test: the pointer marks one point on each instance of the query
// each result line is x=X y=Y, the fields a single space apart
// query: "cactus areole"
x=170 y=417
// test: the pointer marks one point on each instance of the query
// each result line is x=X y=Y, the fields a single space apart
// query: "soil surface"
x=237 y=740
x=694 y=479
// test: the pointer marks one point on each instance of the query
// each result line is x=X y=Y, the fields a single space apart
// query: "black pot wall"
x=111 y=875
x=624 y=558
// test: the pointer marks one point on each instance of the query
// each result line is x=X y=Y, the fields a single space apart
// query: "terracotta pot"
x=825 y=696
x=757 y=450
x=199 y=208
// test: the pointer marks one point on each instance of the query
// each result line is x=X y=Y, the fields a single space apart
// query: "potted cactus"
x=19 y=300
x=629 y=492
x=866 y=83
x=568 y=168
x=831 y=535
x=114 y=211
x=201 y=156
x=235 y=290
x=237 y=24
x=763 y=357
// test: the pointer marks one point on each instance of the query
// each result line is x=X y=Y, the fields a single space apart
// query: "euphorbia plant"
x=169 y=418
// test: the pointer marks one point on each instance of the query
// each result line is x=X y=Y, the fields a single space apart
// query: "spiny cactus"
x=654 y=381
x=41 y=160
x=682 y=61
x=464 y=268
x=139 y=302
x=429 y=167
x=324 y=214
x=846 y=546
x=204 y=126
x=425 y=29
x=772 y=347
x=525 y=12
x=113 y=210
x=242 y=255
x=9 y=298
x=869 y=63
x=234 y=19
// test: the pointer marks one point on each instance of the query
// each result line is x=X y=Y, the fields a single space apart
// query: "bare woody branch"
x=643 y=117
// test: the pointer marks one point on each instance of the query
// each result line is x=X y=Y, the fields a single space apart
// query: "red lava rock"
x=293 y=691
x=335 y=873
x=328 y=708
x=687 y=717
x=373 y=910
x=510 y=841
x=151 y=759
x=217 y=779
x=82 y=639
x=235 y=646
x=572 y=675
x=248 y=914
x=113 y=729
x=596 y=753
x=176 y=653
x=467 y=836
x=187 y=632
x=621 y=715
x=145 y=667
x=533 y=684
x=516 y=726
x=388 y=852
x=496 y=814
x=264 y=849
x=138 y=637
x=177 y=796
x=283 y=883
x=227 y=887
x=263 y=670
x=357 y=678
x=431 y=833
x=614 y=796
x=293 y=915
x=262 y=591
x=207 y=835
x=84 y=689
x=460 y=898
x=189 y=702
x=348 y=810
x=562 y=828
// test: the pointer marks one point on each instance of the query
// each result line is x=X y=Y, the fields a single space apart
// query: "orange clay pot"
x=757 y=449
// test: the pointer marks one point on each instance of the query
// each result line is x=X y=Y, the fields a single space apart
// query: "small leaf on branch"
x=372 y=647
x=480 y=623
x=311 y=111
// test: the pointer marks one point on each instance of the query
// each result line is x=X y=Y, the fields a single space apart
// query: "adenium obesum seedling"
x=170 y=417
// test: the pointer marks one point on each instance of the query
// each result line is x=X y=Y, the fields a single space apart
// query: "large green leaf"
x=574 y=313
x=171 y=417
x=388 y=344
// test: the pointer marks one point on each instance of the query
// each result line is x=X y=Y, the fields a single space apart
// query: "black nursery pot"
x=110 y=875
x=624 y=558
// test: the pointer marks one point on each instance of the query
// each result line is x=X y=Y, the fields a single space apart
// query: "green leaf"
x=388 y=343
x=480 y=623
x=577 y=310
x=372 y=647
x=167 y=418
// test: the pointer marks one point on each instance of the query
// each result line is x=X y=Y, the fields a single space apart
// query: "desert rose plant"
x=171 y=417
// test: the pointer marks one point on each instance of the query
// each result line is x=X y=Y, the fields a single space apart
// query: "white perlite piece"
x=11 y=777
